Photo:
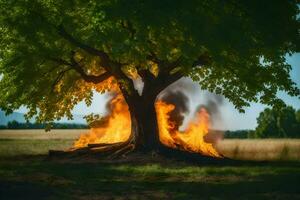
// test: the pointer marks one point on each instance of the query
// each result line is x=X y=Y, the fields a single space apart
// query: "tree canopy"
x=278 y=123
x=52 y=52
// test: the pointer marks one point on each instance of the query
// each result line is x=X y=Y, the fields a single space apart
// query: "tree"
x=54 y=53
x=14 y=125
x=278 y=123
x=241 y=134
x=298 y=116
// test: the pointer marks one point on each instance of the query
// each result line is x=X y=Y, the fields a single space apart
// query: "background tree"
x=19 y=125
x=278 y=123
x=298 y=116
x=240 y=134
x=54 y=53
x=14 y=125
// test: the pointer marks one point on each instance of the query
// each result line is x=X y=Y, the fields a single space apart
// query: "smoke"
x=97 y=121
x=181 y=102
x=114 y=102
x=187 y=96
x=186 y=85
x=138 y=85
x=109 y=105
x=212 y=104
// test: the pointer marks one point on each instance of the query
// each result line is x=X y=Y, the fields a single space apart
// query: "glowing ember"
x=192 y=139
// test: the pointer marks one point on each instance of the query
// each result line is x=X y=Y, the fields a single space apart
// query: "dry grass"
x=35 y=142
x=39 y=142
x=40 y=134
x=261 y=149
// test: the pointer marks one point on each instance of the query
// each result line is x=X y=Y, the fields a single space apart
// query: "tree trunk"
x=145 y=133
x=144 y=125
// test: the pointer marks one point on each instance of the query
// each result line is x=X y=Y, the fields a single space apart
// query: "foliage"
x=17 y=125
x=298 y=116
x=95 y=120
x=272 y=123
x=47 y=49
x=241 y=134
x=278 y=123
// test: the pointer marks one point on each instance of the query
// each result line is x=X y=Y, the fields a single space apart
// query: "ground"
x=26 y=172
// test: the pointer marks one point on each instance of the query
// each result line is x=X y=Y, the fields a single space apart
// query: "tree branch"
x=111 y=67
x=105 y=60
x=152 y=56
x=166 y=81
x=166 y=78
x=203 y=59
x=92 y=78
x=59 y=77
x=88 y=78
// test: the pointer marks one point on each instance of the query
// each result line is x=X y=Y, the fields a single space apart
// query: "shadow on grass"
x=35 y=177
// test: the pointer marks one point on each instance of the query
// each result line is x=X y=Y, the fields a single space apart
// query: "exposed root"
x=123 y=151
x=102 y=144
x=105 y=150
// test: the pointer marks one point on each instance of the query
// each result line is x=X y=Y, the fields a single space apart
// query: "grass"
x=261 y=149
x=43 y=179
x=27 y=173
x=15 y=147
x=40 y=134
x=35 y=142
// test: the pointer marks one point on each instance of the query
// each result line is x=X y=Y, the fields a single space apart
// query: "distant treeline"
x=272 y=123
x=239 y=134
x=18 y=125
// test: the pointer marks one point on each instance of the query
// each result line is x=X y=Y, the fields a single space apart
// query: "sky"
x=228 y=117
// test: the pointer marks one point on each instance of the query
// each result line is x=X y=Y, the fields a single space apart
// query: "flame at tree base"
x=192 y=139
x=111 y=129
x=116 y=128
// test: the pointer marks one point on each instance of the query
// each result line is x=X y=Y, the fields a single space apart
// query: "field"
x=27 y=173
x=261 y=149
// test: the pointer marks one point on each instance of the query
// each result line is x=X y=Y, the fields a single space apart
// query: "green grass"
x=43 y=179
x=15 y=147
x=27 y=173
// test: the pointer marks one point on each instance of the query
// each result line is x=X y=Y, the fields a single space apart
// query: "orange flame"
x=192 y=139
x=113 y=128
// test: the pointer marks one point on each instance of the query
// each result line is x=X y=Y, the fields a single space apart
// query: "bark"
x=145 y=131
x=144 y=124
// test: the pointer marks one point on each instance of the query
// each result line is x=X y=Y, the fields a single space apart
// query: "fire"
x=116 y=127
x=192 y=139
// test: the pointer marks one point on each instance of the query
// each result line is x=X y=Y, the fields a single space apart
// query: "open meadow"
x=27 y=173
